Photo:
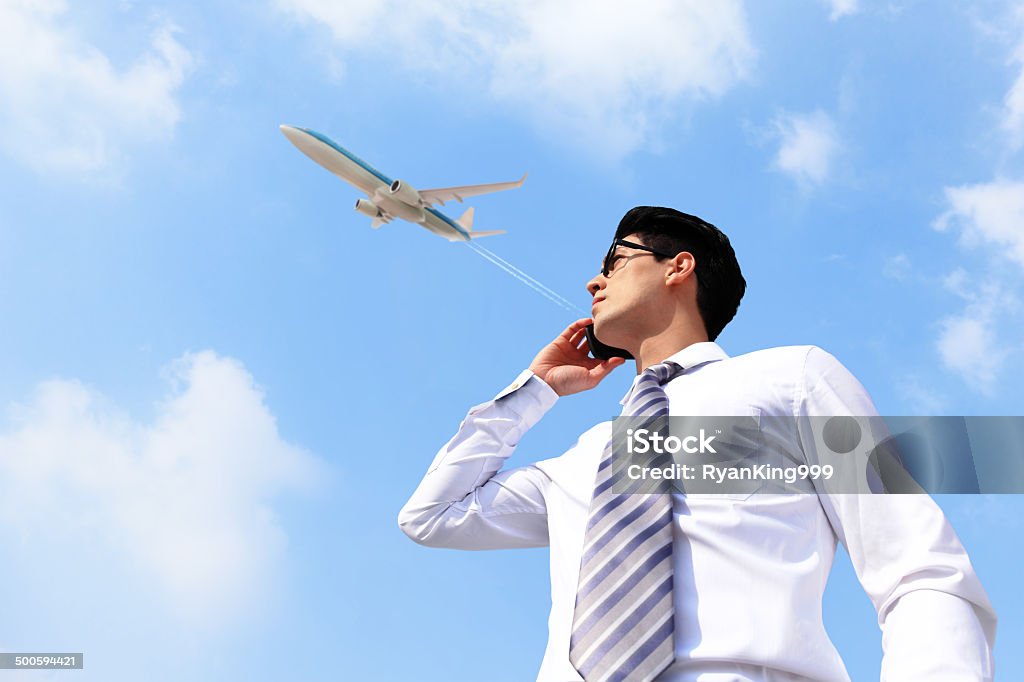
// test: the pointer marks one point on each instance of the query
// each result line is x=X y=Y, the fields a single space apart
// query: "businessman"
x=698 y=587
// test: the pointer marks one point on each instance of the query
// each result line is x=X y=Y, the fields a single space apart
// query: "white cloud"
x=896 y=267
x=1013 y=115
x=1013 y=103
x=958 y=282
x=185 y=499
x=988 y=213
x=989 y=217
x=985 y=512
x=808 y=144
x=922 y=400
x=64 y=107
x=842 y=8
x=968 y=342
x=967 y=346
x=612 y=82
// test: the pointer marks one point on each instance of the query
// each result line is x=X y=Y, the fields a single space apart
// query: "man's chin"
x=606 y=334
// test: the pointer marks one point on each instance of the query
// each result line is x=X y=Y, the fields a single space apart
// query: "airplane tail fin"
x=466 y=221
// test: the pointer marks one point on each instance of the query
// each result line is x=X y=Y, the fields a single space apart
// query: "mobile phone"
x=602 y=351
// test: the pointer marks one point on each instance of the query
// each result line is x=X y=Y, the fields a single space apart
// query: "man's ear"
x=681 y=268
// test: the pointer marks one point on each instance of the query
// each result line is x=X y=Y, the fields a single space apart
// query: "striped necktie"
x=623 y=621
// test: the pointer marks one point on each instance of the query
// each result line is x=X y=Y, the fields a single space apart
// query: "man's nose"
x=596 y=284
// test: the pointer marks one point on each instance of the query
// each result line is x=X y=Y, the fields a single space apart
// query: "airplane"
x=388 y=199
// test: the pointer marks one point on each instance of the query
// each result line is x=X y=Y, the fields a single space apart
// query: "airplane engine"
x=367 y=208
x=405 y=193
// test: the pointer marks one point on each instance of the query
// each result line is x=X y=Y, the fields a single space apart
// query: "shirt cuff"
x=535 y=388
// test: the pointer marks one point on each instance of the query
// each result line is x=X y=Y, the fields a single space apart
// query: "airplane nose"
x=291 y=132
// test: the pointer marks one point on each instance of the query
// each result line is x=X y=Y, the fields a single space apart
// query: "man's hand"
x=565 y=366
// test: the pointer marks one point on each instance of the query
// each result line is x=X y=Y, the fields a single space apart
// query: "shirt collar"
x=692 y=356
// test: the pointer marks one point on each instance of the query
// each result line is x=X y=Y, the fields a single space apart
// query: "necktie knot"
x=663 y=372
x=648 y=393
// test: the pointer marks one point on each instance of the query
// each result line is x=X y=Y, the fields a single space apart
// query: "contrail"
x=526 y=279
x=564 y=300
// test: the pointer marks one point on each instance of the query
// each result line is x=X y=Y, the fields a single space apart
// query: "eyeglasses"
x=610 y=259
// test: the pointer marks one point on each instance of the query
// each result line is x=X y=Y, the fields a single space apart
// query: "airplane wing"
x=443 y=194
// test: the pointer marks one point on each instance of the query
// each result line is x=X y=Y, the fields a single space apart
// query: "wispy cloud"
x=65 y=108
x=186 y=499
x=968 y=347
x=808 y=145
x=988 y=218
x=612 y=83
x=921 y=399
x=989 y=213
x=1013 y=103
x=968 y=342
x=842 y=8
x=985 y=512
x=896 y=267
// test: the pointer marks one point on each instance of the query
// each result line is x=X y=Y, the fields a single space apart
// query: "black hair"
x=720 y=284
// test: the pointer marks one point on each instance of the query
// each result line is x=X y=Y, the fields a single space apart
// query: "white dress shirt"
x=749 y=569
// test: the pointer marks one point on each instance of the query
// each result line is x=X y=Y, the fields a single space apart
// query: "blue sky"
x=220 y=385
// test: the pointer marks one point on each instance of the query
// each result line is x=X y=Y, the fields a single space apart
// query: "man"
x=745 y=571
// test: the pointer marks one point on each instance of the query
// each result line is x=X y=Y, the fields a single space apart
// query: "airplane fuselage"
x=371 y=181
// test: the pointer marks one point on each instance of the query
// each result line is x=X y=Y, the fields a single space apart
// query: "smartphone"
x=602 y=351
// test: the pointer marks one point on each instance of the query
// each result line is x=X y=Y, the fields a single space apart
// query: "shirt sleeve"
x=465 y=501
x=936 y=619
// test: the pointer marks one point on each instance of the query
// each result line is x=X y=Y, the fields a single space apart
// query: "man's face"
x=626 y=300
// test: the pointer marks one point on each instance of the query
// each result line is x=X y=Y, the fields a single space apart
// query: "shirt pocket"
x=740 y=442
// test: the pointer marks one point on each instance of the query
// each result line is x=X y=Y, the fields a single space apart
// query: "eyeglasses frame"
x=606 y=263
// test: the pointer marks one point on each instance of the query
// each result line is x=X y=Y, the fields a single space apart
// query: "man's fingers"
x=605 y=367
x=575 y=327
